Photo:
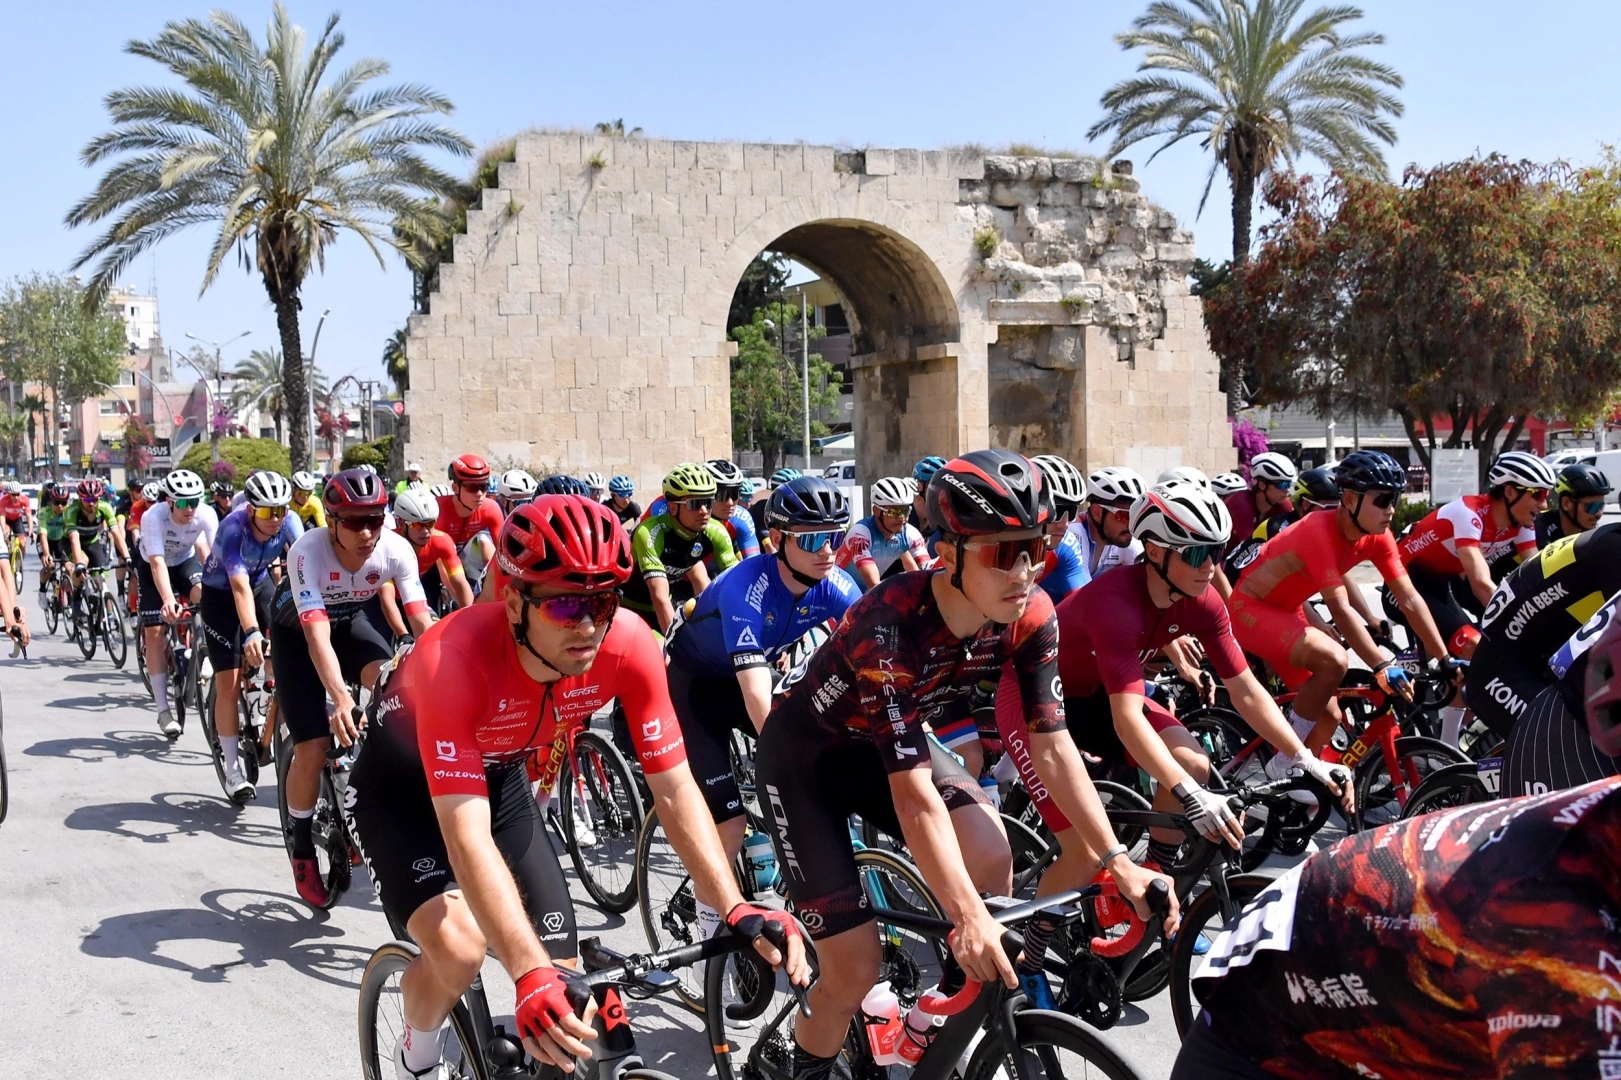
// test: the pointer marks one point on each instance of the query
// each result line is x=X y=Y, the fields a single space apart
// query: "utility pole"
x=309 y=387
x=804 y=371
x=218 y=390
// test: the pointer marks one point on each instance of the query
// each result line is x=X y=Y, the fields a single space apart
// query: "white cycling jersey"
x=1103 y=556
x=162 y=535
x=323 y=589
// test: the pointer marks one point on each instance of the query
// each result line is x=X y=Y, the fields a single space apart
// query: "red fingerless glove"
x=542 y=1001
x=747 y=920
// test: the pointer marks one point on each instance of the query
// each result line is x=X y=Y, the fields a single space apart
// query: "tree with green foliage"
x=260 y=379
x=246 y=456
x=374 y=454
x=426 y=234
x=767 y=401
x=273 y=148
x=1258 y=85
x=616 y=129
x=762 y=283
x=395 y=361
x=51 y=333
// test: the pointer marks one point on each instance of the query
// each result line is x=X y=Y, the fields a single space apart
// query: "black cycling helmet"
x=1364 y=470
x=1318 y=485
x=1582 y=481
x=563 y=485
x=988 y=491
x=809 y=500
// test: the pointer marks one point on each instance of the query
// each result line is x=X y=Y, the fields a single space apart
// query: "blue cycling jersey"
x=748 y=618
x=237 y=551
x=740 y=526
x=1066 y=568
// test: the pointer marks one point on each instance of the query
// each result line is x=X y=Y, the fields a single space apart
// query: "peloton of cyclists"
x=883 y=543
x=176 y=535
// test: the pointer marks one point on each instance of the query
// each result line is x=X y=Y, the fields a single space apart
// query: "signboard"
x=1454 y=474
x=399 y=408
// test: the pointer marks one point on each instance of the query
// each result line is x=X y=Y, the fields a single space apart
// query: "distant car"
x=1571 y=456
x=841 y=472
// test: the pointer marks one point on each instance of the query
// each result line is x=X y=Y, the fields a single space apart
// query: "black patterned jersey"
x=1554 y=592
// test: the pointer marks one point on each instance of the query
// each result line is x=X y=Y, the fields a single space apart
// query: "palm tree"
x=259 y=379
x=271 y=152
x=395 y=362
x=31 y=405
x=1258 y=85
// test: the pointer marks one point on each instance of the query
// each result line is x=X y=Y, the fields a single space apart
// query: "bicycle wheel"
x=1050 y=1045
x=1032 y=854
x=87 y=621
x=248 y=730
x=5 y=783
x=113 y=632
x=382 y=1020
x=1416 y=758
x=179 y=663
x=327 y=828
x=1201 y=924
x=1222 y=732
x=668 y=907
x=199 y=669
x=602 y=820
x=140 y=656
x=1447 y=789
x=205 y=718
x=53 y=608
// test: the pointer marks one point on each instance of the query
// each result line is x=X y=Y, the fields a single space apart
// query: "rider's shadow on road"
x=234 y=928
x=100 y=702
x=116 y=745
x=175 y=814
x=119 y=677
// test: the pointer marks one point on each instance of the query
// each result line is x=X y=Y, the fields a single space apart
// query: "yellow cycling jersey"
x=311 y=514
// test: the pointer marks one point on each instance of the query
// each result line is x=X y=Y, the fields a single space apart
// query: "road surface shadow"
x=102 y=677
x=263 y=927
x=116 y=745
x=173 y=814
x=101 y=702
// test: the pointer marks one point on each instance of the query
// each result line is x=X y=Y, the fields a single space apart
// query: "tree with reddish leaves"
x=1485 y=291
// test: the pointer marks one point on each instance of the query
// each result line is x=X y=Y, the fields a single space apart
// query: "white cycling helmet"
x=516 y=484
x=596 y=482
x=894 y=491
x=1185 y=473
x=266 y=488
x=152 y=491
x=440 y=490
x=1063 y=479
x=305 y=481
x=415 y=466
x=1274 y=468
x=1114 y=485
x=1227 y=483
x=183 y=484
x=14 y=488
x=726 y=473
x=1179 y=514
x=415 y=506
x=1522 y=470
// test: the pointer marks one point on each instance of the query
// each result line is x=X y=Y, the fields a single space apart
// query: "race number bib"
x=1562 y=661
x=1267 y=923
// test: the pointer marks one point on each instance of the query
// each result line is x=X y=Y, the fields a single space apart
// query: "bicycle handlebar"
x=17 y=646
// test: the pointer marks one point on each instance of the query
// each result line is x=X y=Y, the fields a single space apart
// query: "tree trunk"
x=53 y=434
x=294 y=379
x=1243 y=210
x=1411 y=427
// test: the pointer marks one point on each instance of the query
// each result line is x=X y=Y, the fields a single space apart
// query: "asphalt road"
x=149 y=928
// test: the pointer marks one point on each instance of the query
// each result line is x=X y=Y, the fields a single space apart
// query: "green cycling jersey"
x=663 y=549
x=51 y=522
x=91 y=525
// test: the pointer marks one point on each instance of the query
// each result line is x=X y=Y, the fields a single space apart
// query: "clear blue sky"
x=1488 y=75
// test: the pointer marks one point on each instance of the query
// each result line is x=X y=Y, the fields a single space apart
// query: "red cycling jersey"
x=473 y=706
x=462 y=529
x=1241 y=507
x=1467 y=522
x=1110 y=627
x=438 y=548
x=13 y=507
x=1312 y=555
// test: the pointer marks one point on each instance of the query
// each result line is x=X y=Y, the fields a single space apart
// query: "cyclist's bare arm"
x=74 y=548
x=869 y=574
x=1359 y=601
x=456 y=582
x=908 y=563
x=699 y=576
x=1477 y=573
x=756 y=686
x=1352 y=628
x=1418 y=616
x=1261 y=712
x=1139 y=737
x=318 y=633
x=1223 y=587
x=388 y=598
x=248 y=619
x=658 y=588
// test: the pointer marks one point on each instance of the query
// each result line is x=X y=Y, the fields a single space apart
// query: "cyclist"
x=598 y=485
x=1064 y=569
x=516 y=487
x=1578 y=495
x=730 y=507
x=670 y=548
x=1313 y=489
x=458 y=850
x=1227 y=483
x=922 y=473
x=848 y=734
x=882 y=544
x=1457 y=553
x=327 y=630
x=1532 y=613
x=220 y=495
x=53 y=500
x=1105 y=532
x=1184 y=472
x=438 y=565
x=413 y=478
x=1316 y=555
x=1475 y=944
x=468 y=517
x=1271 y=476
x=176 y=535
x=89 y=524
x=620 y=501
x=235 y=602
x=16 y=512
x=757 y=509
x=309 y=511
x=11 y=612
x=121 y=512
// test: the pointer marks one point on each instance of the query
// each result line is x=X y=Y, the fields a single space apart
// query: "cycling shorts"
x=181 y=579
x=1208 y=1056
x=391 y=818
x=20 y=526
x=1501 y=684
x=1451 y=601
x=356 y=641
x=223 y=631
x=59 y=549
x=99 y=555
x=1269 y=633
x=710 y=708
x=432 y=588
x=809 y=790
x=1550 y=750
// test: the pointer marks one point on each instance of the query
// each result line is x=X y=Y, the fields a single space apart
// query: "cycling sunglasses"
x=1596 y=506
x=187 y=504
x=1537 y=494
x=724 y=493
x=1004 y=555
x=894 y=513
x=1197 y=555
x=816 y=541
x=265 y=513
x=1384 y=500
x=698 y=504
x=482 y=489
x=569 y=610
x=360 y=522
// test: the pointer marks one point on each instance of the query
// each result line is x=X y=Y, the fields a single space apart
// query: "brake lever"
x=17 y=646
x=778 y=936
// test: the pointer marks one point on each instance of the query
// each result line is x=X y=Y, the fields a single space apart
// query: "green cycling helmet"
x=689 y=480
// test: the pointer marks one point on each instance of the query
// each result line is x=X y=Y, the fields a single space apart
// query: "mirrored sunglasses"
x=361 y=522
x=266 y=513
x=1197 y=555
x=1537 y=494
x=816 y=541
x=1004 y=555
x=895 y=513
x=698 y=504
x=724 y=493
x=571 y=609
x=1595 y=506
x=187 y=504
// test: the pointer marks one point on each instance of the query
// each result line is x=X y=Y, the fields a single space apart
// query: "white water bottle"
x=881 y=1016
x=923 y=1023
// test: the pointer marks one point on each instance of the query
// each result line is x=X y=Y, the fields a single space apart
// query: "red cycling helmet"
x=986 y=492
x=90 y=489
x=470 y=469
x=353 y=490
x=1603 y=695
x=565 y=541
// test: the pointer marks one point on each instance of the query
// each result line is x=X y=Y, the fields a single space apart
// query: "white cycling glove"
x=1207 y=810
x=1330 y=776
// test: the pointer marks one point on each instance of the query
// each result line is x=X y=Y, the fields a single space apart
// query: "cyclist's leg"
x=303 y=710
x=370 y=645
x=1500 y=685
x=151 y=614
x=708 y=709
x=1205 y=1056
x=978 y=826
x=521 y=836
x=222 y=631
x=1307 y=660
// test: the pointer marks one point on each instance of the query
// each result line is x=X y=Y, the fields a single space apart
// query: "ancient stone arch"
x=1033 y=303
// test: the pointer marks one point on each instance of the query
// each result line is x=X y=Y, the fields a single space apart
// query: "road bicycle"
x=589 y=796
x=255 y=723
x=335 y=850
x=100 y=619
x=58 y=602
x=477 y=1049
x=184 y=659
x=15 y=554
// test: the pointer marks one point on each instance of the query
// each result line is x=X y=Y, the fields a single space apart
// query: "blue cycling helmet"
x=745 y=490
x=622 y=486
x=1364 y=470
x=924 y=470
x=807 y=500
x=563 y=485
x=783 y=476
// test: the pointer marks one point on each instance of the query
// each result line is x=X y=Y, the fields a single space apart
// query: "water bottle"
x=762 y=860
x=992 y=791
x=881 y=1016
x=928 y=1016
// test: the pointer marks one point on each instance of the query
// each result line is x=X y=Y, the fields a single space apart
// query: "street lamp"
x=309 y=385
x=804 y=371
x=213 y=405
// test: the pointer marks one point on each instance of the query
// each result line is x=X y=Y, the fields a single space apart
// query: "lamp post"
x=804 y=372
x=309 y=386
x=213 y=405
